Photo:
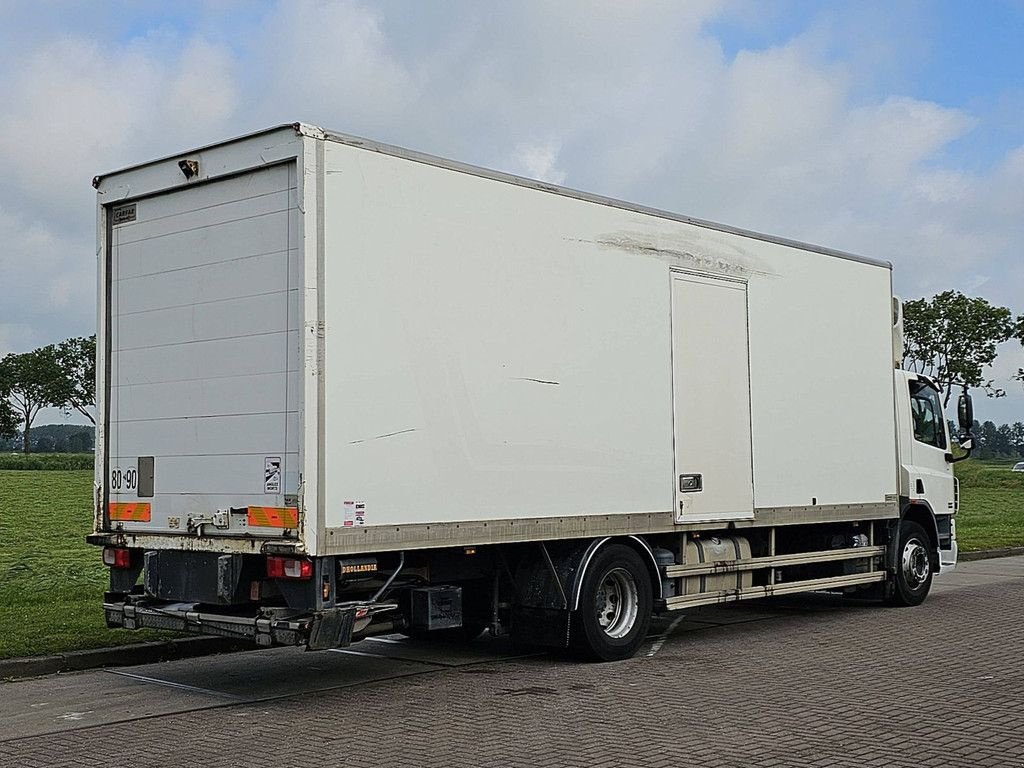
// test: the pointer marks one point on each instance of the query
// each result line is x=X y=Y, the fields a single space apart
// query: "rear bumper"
x=331 y=628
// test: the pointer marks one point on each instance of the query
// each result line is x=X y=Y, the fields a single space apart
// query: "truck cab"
x=928 y=488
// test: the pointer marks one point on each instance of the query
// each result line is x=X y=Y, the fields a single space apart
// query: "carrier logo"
x=272 y=474
x=123 y=214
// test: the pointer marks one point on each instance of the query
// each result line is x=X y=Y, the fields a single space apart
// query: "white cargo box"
x=310 y=337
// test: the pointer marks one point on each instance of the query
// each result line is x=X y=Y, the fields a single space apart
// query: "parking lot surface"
x=804 y=681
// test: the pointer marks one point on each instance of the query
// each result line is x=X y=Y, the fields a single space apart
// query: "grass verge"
x=51 y=581
x=991 y=505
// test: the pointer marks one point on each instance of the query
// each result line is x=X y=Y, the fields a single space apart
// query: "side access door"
x=711 y=399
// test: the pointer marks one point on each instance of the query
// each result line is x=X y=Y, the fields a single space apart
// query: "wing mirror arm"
x=967 y=444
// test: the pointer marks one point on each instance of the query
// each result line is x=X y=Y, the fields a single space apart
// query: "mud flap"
x=331 y=629
x=543 y=627
x=542 y=615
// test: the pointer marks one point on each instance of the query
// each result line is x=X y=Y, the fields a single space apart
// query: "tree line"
x=951 y=338
x=55 y=376
x=1003 y=442
x=54 y=438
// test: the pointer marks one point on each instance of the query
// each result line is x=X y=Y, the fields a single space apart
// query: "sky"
x=893 y=130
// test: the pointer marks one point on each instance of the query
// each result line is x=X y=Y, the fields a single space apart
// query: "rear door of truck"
x=202 y=375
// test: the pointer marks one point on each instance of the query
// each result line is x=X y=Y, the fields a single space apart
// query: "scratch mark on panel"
x=381 y=437
x=538 y=381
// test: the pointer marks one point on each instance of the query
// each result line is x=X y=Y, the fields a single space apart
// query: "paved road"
x=815 y=681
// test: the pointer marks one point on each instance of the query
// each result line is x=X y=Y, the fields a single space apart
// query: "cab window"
x=926 y=409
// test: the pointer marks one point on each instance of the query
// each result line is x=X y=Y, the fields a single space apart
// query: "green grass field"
x=52 y=582
x=991 y=505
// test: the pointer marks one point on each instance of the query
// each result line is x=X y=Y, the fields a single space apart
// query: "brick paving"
x=827 y=685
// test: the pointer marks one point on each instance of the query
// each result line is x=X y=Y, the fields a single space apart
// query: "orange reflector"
x=133 y=511
x=274 y=517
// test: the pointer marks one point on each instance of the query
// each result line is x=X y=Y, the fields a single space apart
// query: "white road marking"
x=385 y=640
x=74 y=715
x=358 y=653
x=660 y=641
x=172 y=684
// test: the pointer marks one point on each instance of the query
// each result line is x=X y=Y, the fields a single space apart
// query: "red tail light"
x=289 y=568
x=116 y=557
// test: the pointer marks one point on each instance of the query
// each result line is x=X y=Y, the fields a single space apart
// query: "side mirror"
x=965 y=412
x=965 y=415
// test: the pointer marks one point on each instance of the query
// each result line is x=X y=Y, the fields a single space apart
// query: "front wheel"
x=914 y=571
x=615 y=605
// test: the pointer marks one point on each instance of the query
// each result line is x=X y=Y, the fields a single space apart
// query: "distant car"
x=1018 y=467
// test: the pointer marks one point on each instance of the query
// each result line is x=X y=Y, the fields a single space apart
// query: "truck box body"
x=347 y=347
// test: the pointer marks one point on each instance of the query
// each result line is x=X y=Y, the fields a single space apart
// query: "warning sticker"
x=355 y=513
x=272 y=474
x=273 y=517
x=135 y=512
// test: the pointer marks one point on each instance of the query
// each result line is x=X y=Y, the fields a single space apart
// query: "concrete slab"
x=79 y=700
x=1004 y=566
x=273 y=672
x=67 y=702
x=454 y=654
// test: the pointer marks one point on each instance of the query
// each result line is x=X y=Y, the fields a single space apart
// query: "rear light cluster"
x=116 y=557
x=289 y=568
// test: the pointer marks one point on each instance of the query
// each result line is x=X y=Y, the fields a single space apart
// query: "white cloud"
x=202 y=94
x=316 y=60
x=49 y=284
x=538 y=161
x=633 y=102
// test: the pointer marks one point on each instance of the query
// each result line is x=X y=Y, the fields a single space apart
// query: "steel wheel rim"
x=916 y=563
x=617 y=603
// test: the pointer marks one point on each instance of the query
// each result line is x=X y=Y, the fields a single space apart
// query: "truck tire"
x=615 y=605
x=914 y=573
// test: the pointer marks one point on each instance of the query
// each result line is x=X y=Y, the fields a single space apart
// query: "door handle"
x=691 y=483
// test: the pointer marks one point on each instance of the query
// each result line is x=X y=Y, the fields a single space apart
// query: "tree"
x=77 y=358
x=952 y=339
x=1017 y=434
x=988 y=437
x=8 y=418
x=80 y=442
x=34 y=380
x=1004 y=440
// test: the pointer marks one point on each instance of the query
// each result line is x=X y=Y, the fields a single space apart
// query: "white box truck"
x=347 y=389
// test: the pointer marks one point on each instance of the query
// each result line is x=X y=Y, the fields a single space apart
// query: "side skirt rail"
x=733 y=595
x=774 y=561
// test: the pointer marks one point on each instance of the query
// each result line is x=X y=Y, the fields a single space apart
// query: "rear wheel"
x=615 y=605
x=914 y=571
